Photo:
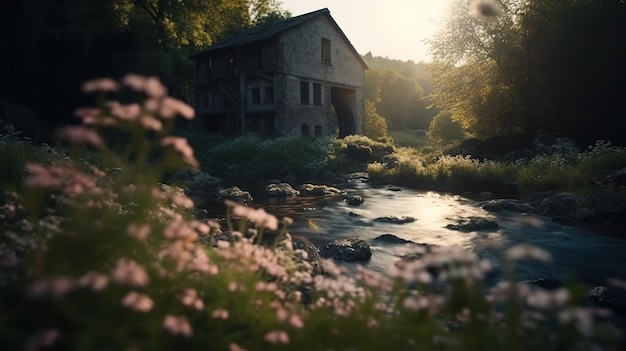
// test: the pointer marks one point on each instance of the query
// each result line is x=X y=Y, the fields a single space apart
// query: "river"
x=578 y=252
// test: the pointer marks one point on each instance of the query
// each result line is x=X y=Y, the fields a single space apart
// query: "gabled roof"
x=272 y=30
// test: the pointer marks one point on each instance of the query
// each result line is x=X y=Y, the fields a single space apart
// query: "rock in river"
x=395 y=219
x=349 y=250
x=472 y=224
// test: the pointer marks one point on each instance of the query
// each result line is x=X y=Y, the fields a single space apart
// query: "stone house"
x=297 y=77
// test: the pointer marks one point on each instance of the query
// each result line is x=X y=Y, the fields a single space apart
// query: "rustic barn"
x=298 y=76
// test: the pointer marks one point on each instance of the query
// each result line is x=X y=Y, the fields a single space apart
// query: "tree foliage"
x=50 y=46
x=375 y=124
x=396 y=89
x=540 y=66
x=443 y=129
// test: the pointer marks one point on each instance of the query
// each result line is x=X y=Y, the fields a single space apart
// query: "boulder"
x=354 y=200
x=359 y=152
x=318 y=190
x=472 y=224
x=392 y=239
x=349 y=250
x=501 y=205
x=235 y=194
x=395 y=219
x=200 y=186
x=280 y=190
x=312 y=254
x=603 y=207
x=609 y=297
x=390 y=162
x=559 y=205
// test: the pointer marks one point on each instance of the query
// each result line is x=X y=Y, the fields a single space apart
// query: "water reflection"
x=577 y=252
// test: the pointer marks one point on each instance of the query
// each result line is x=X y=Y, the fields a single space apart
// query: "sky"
x=395 y=29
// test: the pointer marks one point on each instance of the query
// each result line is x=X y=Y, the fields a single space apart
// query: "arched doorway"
x=342 y=100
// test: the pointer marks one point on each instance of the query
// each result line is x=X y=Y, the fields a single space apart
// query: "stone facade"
x=299 y=76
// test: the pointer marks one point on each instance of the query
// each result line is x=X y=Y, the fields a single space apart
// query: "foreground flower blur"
x=116 y=260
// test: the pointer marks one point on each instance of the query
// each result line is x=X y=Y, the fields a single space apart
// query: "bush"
x=125 y=266
x=276 y=157
x=375 y=124
x=443 y=129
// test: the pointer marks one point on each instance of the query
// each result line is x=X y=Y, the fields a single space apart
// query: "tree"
x=375 y=124
x=554 y=65
x=51 y=46
x=444 y=129
x=484 y=77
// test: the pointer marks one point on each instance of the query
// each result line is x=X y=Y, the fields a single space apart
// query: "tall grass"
x=576 y=172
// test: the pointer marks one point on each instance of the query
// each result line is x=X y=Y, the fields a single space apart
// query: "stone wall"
x=300 y=52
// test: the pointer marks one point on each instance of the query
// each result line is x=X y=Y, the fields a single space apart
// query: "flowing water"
x=577 y=252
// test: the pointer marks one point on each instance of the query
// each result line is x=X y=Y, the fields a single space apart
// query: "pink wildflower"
x=77 y=135
x=137 y=302
x=135 y=81
x=181 y=145
x=56 y=286
x=190 y=298
x=40 y=177
x=258 y=216
x=96 y=281
x=296 y=321
x=125 y=112
x=171 y=107
x=177 y=325
x=88 y=115
x=129 y=272
x=528 y=251
x=277 y=337
x=234 y=347
x=220 y=313
x=154 y=88
x=138 y=231
x=234 y=286
x=102 y=85
x=151 y=123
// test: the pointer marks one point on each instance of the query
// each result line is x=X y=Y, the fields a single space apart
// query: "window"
x=325 y=51
x=256 y=96
x=304 y=93
x=305 y=130
x=269 y=95
x=318 y=131
x=317 y=94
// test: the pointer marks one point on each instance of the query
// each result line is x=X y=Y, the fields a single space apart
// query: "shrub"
x=276 y=157
x=443 y=129
x=375 y=124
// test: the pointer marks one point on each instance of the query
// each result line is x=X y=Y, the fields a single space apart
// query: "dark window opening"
x=318 y=131
x=256 y=96
x=325 y=51
x=305 y=130
x=304 y=93
x=269 y=95
x=317 y=94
